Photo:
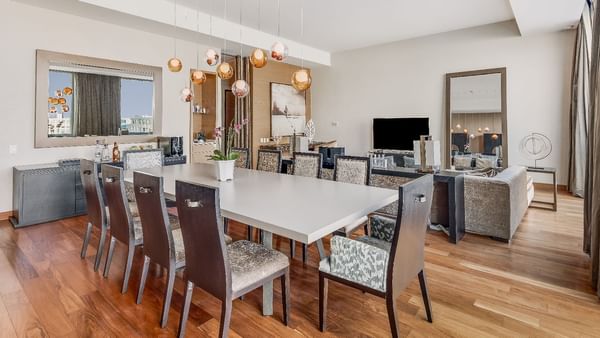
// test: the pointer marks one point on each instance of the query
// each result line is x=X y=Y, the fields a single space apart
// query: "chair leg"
x=292 y=248
x=225 y=318
x=249 y=234
x=285 y=296
x=86 y=240
x=390 y=302
x=425 y=294
x=143 y=279
x=323 y=286
x=127 y=273
x=109 y=256
x=100 y=248
x=304 y=253
x=185 y=311
x=168 y=294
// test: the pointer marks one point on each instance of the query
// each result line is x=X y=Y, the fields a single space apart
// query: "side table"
x=543 y=204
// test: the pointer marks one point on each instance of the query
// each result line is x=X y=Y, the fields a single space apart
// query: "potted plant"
x=223 y=156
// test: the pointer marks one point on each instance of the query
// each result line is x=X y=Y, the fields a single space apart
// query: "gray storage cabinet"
x=46 y=192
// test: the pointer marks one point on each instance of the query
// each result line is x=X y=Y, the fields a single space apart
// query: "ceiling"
x=329 y=25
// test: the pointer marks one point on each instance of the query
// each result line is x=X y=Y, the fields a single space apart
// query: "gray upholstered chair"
x=140 y=159
x=244 y=160
x=96 y=209
x=385 y=262
x=163 y=242
x=124 y=227
x=354 y=170
x=269 y=160
x=225 y=271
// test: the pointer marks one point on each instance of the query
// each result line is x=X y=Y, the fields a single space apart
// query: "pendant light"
x=174 y=63
x=258 y=58
x=301 y=79
x=279 y=51
x=240 y=88
x=211 y=55
x=224 y=70
x=198 y=77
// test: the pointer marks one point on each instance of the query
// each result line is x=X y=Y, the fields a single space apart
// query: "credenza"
x=46 y=192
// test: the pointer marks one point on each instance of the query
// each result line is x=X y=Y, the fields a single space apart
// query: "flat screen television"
x=398 y=133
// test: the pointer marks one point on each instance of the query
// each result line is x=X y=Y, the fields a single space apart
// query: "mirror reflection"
x=86 y=100
x=476 y=121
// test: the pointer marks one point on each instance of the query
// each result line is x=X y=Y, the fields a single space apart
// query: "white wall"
x=407 y=79
x=24 y=28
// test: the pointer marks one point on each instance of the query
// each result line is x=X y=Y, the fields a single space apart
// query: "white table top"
x=300 y=208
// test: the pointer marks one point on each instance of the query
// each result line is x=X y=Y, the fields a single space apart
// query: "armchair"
x=385 y=262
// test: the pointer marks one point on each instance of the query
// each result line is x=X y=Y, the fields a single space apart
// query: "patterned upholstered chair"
x=124 y=227
x=244 y=160
x=354 y=170
x=140 y=159
x=307 y=164
x=163 y=242
x=225 y=271
x=95 y=206
x=269 y=160
x=390 y=182
x=385 y=262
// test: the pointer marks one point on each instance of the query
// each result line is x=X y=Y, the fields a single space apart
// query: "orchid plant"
x=233 y=131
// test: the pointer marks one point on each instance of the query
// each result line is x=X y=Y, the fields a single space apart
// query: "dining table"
x=303 y=209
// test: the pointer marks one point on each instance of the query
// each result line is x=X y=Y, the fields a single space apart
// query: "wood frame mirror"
x=475 y=103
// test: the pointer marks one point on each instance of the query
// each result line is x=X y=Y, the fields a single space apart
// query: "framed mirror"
x=476 y=122
x=82 y=99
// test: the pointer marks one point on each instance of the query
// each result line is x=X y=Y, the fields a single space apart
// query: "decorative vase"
x=224 y=170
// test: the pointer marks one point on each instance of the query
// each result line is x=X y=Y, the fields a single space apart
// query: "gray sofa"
x=495 y=206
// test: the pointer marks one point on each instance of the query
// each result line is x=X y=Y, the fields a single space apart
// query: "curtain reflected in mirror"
x=476 y=120
x=97 y=101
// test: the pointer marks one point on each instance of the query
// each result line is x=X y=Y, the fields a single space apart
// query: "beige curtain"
x=97 y=104
x=579 y=111
x=592 y=182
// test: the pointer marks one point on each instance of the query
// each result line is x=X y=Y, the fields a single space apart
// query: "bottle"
x=98 y=152
x=105 y=153
x=116 y=153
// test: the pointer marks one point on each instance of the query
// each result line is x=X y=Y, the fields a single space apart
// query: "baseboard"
x=5 y=215
x=547 y=186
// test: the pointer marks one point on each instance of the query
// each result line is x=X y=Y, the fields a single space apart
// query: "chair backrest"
x=93 y=193
x=244 y=160
x=269 y=160
x=408 y=244
x=121 y=222
x=307 y=164
x=207 y=262
x=159 y=244
x=352 y=169
x=139 y=159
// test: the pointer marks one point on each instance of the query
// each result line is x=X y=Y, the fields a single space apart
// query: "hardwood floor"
x=539 y=285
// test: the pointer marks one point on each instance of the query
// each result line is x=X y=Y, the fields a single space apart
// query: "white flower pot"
x=224 y=170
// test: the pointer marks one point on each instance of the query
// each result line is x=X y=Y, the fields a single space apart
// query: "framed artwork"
x=288 y=110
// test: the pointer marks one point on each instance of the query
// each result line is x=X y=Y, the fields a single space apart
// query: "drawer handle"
x=145 y=190
x=193 y=204
x=421 y=199
x=87 y=172
x=110 y=180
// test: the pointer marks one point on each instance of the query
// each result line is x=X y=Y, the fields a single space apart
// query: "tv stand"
x=397 y=154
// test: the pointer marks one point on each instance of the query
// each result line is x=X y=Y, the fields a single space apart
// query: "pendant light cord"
x=198 y=30
x=175 y=27
x=302 y=35
x=225 y=24
x=241 y=46
x=278 y=18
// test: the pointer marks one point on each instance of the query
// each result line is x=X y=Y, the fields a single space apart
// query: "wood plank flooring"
x=539 y=285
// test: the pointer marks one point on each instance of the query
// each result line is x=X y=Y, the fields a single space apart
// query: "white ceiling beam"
x=162 y=11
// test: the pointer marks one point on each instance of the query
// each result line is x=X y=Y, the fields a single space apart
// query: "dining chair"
x=124 y=227
x=163 y=242
x=354 y=170
x=140 y=159
x=225 y=271
x=306 y=165
x=96 y=211
x=270 y=161
x=243 y=161
x=385 y=262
